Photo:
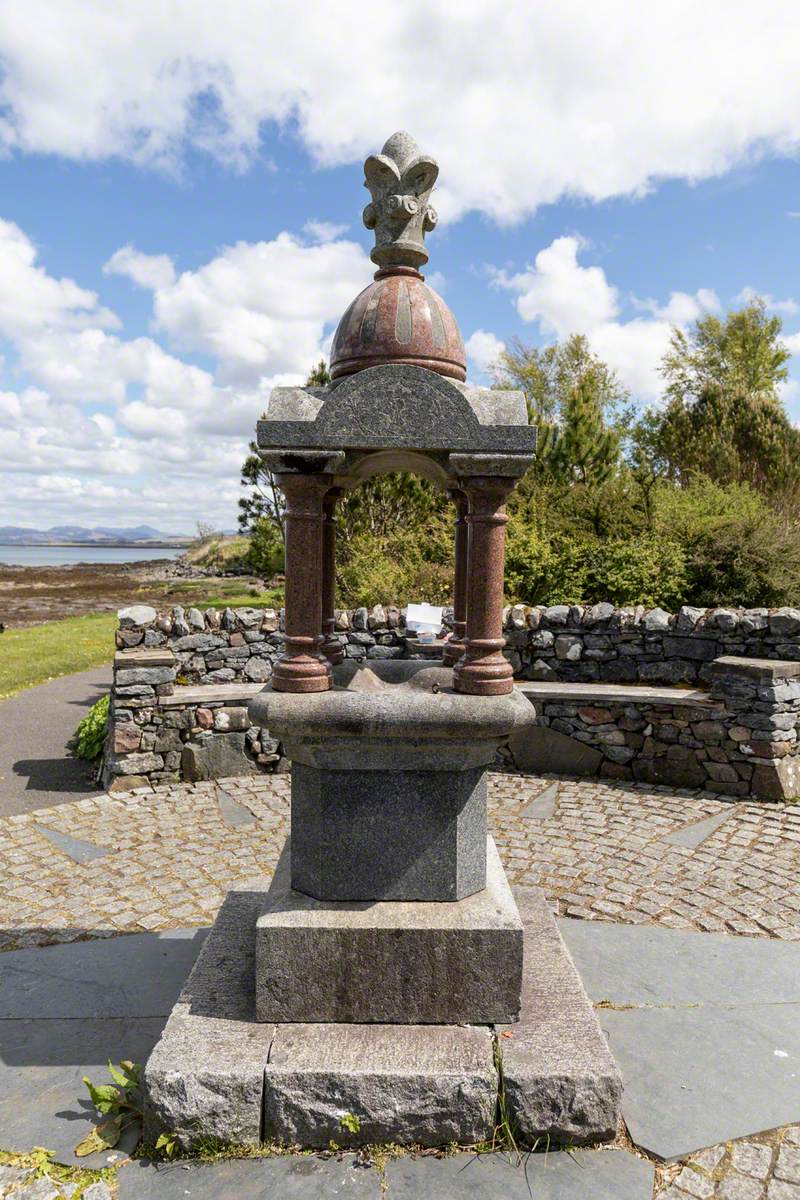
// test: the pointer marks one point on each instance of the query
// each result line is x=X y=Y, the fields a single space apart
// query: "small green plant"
x=350 y=1123
x=87 y=741
x=167 y=1143
x=119 y=1102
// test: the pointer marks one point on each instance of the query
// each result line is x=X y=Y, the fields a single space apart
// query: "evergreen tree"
x=724 y=417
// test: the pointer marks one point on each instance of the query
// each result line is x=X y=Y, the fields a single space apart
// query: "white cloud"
x=484 y=349
x=559 y=293
x=788 y=306
x=166 y=436
x=792 y=342
x=324 y=231
x=563 y=297
x=569 y=99
x=147 y=270
x=262 y=308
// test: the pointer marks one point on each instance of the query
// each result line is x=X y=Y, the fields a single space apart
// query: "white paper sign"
x=423 y=618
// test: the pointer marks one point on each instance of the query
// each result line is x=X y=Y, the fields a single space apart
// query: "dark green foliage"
x=394 y=543
x=724 y=417
x=87 y=741
x=266 y=554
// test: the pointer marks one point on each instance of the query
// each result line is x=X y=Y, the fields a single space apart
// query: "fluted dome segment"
x=398 y=319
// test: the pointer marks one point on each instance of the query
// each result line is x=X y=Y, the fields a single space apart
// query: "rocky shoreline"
x=30 y=595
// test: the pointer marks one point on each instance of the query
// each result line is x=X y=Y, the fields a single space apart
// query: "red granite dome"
x=398 y=319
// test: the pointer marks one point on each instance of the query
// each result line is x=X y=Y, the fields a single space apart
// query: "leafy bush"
x=570 y=570
x=87 y=741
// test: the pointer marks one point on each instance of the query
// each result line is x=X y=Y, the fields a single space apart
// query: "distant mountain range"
x=60 y=535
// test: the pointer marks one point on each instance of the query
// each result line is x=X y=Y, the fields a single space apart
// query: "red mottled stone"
x=302 y=667
x=454 y=648
x=331 y=646
x=484 y=670
x=398 y=319
x=127 y=737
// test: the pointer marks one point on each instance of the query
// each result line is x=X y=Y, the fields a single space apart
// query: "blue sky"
x=180 y=201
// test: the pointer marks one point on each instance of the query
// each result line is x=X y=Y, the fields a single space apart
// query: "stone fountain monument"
x=387 y=982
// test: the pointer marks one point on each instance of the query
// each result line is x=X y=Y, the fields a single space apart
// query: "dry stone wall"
x=183 y=679
x=581 y=644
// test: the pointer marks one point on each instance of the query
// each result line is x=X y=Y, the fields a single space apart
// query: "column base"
x=483 y=678
x=302 y=673
x=453 y=651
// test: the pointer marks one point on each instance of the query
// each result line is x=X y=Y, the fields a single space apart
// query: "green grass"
x=217 y=593
x=37 y=653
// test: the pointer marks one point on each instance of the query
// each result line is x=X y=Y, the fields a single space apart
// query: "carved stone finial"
x=400 y=180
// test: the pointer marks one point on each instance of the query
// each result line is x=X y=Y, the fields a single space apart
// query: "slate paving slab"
x=77 y=849
x=292 y=1178
x=602 y=1175
x=639 y=965
x=64 y=1012
x=705 y=1027
x=696 y=1077
x=134 y=976
x=599 y=1175
x=42 y=1062
x=695 y=833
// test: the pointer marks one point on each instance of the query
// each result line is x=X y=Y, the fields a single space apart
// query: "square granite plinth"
x=401 y=962
x=217 y=1071
x=388 y=834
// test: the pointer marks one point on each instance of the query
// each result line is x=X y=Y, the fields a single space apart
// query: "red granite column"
x=331 y=646
x=454 y=648
x=301 y=667
x=484 y=670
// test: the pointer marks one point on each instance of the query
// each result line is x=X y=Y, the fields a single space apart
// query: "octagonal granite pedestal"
x=371 y=981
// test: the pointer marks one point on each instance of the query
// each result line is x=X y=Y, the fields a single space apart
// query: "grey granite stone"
x=560 y=1079
x=400 y=406
x=295 y=1177
x=388 y=835
x=408 y=963
x=388 y=780
x=136 y=614
x=205 y=1076
x=427 y=1085
x=217 y=756
x=601 y=1175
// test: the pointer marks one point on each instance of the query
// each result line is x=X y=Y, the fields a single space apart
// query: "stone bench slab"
x=635 y=694
x=213 y=693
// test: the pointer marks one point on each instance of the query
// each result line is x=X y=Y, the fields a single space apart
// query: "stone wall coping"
x=622 y=693
x=763 y=669
x=228 y=693
x=159 y=656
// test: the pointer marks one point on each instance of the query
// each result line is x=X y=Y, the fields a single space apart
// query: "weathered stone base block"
x=402 y=962
x=429 y=1084
x=218 y=1072
x=560 y=1078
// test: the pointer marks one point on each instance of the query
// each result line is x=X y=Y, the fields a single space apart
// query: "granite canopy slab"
x=396 y=406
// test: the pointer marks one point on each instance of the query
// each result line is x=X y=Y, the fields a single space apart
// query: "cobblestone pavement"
x=766 y=1167
x=601 y=851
